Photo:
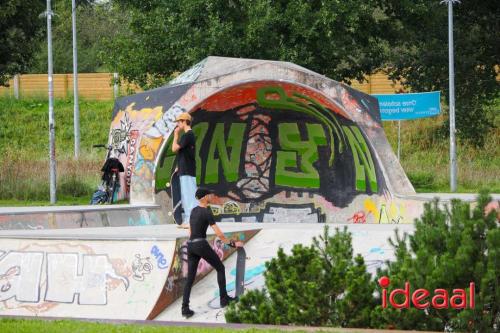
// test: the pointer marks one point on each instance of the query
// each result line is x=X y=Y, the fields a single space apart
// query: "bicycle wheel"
x=112 y=189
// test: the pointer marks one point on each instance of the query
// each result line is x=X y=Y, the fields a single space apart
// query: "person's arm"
x=224 y=239
x=175 y=142
x=219 y=233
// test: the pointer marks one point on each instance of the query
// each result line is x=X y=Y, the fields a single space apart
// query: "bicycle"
x=111 y=170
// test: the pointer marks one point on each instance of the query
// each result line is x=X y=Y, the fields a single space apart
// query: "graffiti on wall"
x=265 y=143
x=177 y=275
x=68 y=278
x=126 y=128
x=82 y=219
x=89 y=278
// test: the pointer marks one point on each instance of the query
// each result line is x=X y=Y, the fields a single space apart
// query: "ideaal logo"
x=440 y=298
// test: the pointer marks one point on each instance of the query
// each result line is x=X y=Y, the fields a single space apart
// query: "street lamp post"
x=76 y=108
x=451 y=70
x=52 y=129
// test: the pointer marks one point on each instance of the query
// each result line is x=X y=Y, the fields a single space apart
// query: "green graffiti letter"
x=298 y=155
x=229 y=158
x=199 y=130
x=165 y=166
x=362 y=159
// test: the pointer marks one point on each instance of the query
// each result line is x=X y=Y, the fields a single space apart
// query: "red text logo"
x=422 y=298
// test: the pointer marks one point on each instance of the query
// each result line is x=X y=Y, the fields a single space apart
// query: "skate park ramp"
x=91 y=216
x=275 y=141
x=113 y=273
x=286 y=150
x=139 y=273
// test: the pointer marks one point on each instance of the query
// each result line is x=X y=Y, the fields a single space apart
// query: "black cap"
x=201 y=192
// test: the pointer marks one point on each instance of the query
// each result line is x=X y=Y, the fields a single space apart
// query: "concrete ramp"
x=139 y=273
x=90 y=216
x=93 y=273
x=368 y=240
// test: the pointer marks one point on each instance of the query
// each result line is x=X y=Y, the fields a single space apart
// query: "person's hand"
x=239 y=244
x=177 y=130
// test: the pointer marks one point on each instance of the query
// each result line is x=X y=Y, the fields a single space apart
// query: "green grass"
x=24 y=168
x=61 y=201
x=24 y=126
x=64 y=326
x=425 y=157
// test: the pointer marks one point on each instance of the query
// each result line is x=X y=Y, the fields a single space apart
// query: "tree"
x=20 y=26
x=96 y=22
x=340 y=39
x=449 y=249
x=418 y=35
x=319 y=285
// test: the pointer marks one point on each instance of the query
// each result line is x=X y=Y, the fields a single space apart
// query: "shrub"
x=319 y=285
x=449 y=248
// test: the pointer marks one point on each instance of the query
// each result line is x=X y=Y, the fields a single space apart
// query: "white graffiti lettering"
x=69 y=277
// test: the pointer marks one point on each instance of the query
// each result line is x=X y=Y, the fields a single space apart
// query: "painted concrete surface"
x=138 y=273
x=364 y=210
x=83 y=279
x=58 y=217
x=98 y=273
x=368 y=240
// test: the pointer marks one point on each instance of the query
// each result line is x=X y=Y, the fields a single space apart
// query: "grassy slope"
x=24 y=161
x=63 y=326
x=425 y=157
x=24 y=145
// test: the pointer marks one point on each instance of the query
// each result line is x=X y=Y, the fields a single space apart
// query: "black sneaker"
x=224 y=301
x=187 y=313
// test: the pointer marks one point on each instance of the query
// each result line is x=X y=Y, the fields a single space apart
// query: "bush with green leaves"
x=449 y=248
x=320 y=285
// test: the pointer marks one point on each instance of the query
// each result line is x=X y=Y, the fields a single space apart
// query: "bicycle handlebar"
x=100 y=146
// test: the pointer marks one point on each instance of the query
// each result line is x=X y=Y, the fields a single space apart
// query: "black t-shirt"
x=199 y=221
x=187 y=159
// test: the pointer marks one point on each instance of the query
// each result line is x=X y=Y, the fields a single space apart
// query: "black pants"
x=196 y=251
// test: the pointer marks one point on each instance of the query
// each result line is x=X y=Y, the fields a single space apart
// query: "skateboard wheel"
x=169 y=213
x=168 y=184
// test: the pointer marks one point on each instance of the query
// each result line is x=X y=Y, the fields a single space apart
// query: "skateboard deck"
x=175 y=195
x=240 y=271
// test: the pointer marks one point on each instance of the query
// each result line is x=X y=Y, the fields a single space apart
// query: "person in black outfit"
x=198 y=248
x=184 y=147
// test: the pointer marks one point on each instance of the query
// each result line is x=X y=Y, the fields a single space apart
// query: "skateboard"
x=240 y=271
x=175 y=195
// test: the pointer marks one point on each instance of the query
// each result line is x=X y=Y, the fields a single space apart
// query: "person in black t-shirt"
x=198 y=248
x=186 y=163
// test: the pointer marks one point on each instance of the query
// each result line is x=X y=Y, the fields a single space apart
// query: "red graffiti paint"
x=246 y=93
x=423 y=298
x=359 y=217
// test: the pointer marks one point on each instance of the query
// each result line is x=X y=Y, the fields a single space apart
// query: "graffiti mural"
x=126 y=127
x=174 y=285
x=90 y=279
x=84 y=218
x=270 y=143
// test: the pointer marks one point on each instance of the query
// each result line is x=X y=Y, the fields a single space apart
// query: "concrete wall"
x=94 y=275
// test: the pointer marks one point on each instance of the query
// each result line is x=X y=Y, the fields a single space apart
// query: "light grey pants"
x=188 y=199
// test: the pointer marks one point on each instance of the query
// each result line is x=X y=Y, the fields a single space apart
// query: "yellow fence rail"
x=102 y=86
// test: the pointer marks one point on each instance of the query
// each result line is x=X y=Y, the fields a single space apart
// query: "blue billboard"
x=409 y=106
